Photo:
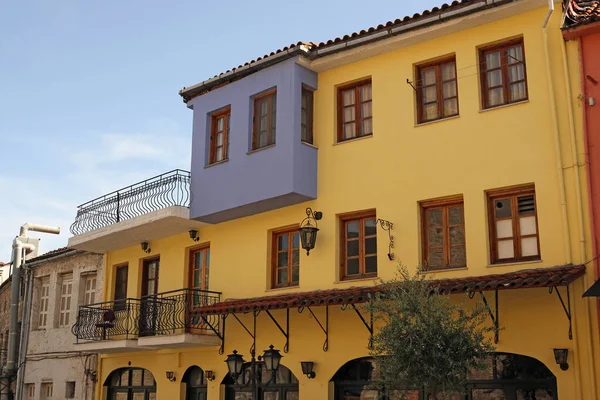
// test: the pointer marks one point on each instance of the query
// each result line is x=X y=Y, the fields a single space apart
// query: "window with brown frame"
x=503 y=74
x=358 y=245
x=219 y=135
x=513 y=225
x=265 y=115
x=307 y=115
x=437 y=94
x=355 y=114
x=286 y=258
x=443 y=234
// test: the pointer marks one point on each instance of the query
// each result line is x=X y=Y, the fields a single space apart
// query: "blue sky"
x=88 y=89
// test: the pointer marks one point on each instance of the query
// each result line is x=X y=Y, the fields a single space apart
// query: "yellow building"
x=441 y=140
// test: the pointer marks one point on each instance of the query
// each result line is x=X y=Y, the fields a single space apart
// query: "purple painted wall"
x=267 y=179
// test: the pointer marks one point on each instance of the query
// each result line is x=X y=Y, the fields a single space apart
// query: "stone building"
x=63 y=280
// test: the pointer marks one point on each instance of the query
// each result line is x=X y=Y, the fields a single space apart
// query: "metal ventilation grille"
x=526 y=204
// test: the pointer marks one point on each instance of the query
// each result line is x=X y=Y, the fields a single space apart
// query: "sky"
x=89 y=89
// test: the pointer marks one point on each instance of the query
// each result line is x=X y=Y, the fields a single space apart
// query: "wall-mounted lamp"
x=145 y=247
x=308 y=232
x=561 y=356
x=171 y=376
x=194 y=235
x=209 y=375
x=387 y=226
x=307 y=369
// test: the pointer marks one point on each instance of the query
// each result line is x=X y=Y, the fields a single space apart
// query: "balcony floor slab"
x=110 y=346
x=179 y=341
x=152 y=226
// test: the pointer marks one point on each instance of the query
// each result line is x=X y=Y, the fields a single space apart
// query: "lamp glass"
x=308 y=237
x=561 y=355
x=307 y=367
x=234 y=363
x=272 y=358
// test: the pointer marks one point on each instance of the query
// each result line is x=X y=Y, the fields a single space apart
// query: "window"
x=355 y=115
x=44 y=298
x=443 y=234
x=307 y=115
x=513 y=225
x=30 y=391
x=66 y=293
x=503 y=76
x=199 y=268
x=437 y=94
x=219 y=135
x=265 y=110
x=46 y=391
x=286 y=258
x=70 y=390
x=121 y=273
x=359 y=245
x=89 y=288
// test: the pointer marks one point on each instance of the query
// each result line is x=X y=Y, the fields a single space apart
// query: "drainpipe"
x=26 y=322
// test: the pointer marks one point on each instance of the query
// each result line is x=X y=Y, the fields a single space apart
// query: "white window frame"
x=46 y=392
x=90 y=282
x=66 y=300
x=44 y=302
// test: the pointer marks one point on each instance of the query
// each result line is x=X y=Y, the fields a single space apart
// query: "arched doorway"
x=130 y=384
x=282 y=386
x=506 y=377
x=195 y=383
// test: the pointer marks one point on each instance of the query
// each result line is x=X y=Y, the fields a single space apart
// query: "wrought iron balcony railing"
x=162 y=191
x=168 y=313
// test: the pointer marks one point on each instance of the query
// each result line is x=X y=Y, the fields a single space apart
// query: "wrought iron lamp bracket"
x=324 y=329
x=566 y=307
x=494 y=315
x=388 y=226
x=311 y=215
x=286 y=331
x=411 y=84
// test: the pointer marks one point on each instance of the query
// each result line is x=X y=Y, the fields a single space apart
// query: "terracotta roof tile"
x=581 y=12
x=529 y=278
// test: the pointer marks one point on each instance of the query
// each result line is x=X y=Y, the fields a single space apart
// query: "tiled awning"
x=529 y=278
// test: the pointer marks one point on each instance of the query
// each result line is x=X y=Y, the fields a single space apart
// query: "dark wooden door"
x=149 y=303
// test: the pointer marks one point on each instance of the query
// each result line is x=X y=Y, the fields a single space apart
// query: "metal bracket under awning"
x=494 y=314
x=368 y=325
x=325 y=328
x=566 y=308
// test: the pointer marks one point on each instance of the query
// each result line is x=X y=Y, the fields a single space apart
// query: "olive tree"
x=424 y=339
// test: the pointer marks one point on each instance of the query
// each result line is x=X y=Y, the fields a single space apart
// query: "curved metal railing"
x=166 y=313
x=162 y=191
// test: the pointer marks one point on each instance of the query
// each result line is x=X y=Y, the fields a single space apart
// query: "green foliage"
x=427 y=338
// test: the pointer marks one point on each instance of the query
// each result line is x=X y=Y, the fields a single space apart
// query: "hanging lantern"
x=235 y=362
x=272 y=358
x=308 y=231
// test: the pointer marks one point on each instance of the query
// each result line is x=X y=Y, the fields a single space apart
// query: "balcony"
x=165 y=320
x=152 y=209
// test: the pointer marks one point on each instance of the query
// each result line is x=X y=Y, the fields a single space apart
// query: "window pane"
x=352 y=229
x=515 y=54
x=366 y=109
x=506 y=249
x=353 y=267
x=502 y=207
x=436 y=236
x=516 y=73
x=370 y=227
x=495 y=97
x=304 y=133
x=219 y=154
x=430 y=94
x=295 y=257
x=526 y=204
x=220 y=139
x=371 y=264
x=449 y=89
x=458 y=257
x=365 y=93
x=282 y=259
x=371 y=245
x=282 y=276
x=448 y=71
x=271 y=396
x=349 y=131
x=435 y=257
x=430 y=112
x=296 y=240
x=534 y=394
x=456 y=215
x=264 y=107
x=488 y=394
x=428 y=77
x=494 y=78
x=220 y=124
x=352 y=248
x=457 y=235
x=527 y=225
x=529 y=247
x=349 y=114
x=348 y=97
x=450 y=107
x=292 y=396
x=367 y=127
x=492 y=60
x=435 y=217
x=295 y=274
x=136 y=377
x=517 y=91
x=262 y=139
x=282 y=242
x=504 y=228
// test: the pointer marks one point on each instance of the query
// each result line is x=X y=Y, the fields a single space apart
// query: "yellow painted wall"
x=400 y=165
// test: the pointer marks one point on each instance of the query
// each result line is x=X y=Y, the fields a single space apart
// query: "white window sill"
x=261 y=149
x=514 y=263
x=373 y=279
x=278 y=289
x=436 y=121
x=216 y=163
x=353 y=140
x=504 y=106
x=435 y=271
x=309 y=145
